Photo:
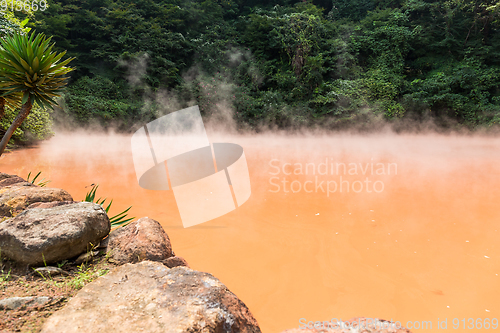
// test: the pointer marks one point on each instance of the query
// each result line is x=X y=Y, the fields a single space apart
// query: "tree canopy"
x=283 y=63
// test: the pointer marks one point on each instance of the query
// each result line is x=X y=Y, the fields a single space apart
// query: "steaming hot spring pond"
x=409 y=229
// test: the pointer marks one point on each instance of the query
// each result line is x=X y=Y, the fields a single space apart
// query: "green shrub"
x=99 y=99
x=37 y=126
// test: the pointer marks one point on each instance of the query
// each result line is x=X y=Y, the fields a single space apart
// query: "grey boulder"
x=150 y=297
x=17 y=197
x=53 y=234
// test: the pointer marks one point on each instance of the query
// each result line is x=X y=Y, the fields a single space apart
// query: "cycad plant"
x=30 y=72
x=120 y=219
x=32 y=179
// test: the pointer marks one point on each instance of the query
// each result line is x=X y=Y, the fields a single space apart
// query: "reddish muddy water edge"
x=410 y=233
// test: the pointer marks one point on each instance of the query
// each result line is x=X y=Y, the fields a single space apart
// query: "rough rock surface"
x=143 y=239
x=18 y=197
x=61 y=232
x=50 y=204
x=11 y=181
x=175 y=261
x=359 y=325
x=14 y=303
x=4 y=175
x=150 y=297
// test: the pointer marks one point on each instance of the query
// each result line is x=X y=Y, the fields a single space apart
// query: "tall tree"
x=10 y=24
x=30 y=68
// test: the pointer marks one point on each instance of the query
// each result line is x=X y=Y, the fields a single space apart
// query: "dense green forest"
x=278 y=63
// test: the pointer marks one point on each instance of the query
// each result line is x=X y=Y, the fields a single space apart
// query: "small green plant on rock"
x=33 y=179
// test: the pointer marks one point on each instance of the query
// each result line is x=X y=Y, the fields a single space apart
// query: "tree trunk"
x=23 y=113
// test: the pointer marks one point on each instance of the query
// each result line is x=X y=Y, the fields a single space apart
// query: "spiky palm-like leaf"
x=12 y=100
x=30 y=69
x=32 y=179
x=119 y=219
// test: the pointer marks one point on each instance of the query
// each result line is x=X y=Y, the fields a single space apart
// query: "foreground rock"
x=59 y=233
x=150 y=297
x=143 y=239
x=361 y=325
x=18 y=197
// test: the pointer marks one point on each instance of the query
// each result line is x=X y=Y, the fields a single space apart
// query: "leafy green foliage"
x=354 y=10
x=36 y=127
x=117 y=220
x=84 y=275
x=10 y=23
x=280 y=63
x=41 y=183
x=28 y=66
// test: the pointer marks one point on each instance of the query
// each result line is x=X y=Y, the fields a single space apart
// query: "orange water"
x=425 y=248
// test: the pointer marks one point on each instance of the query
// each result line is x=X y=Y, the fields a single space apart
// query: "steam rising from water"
x=415 y=251
x=219 y=92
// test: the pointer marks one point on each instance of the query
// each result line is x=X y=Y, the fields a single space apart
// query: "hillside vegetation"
x=279 y=63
